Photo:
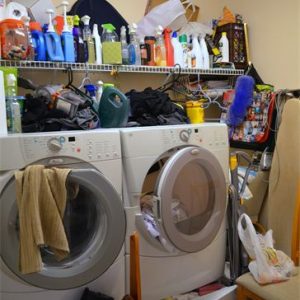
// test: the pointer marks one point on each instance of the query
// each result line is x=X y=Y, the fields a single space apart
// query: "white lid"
x=132 y=28
x=50 y=12
x=95 y=29
x=11 y=79
x=86 y=20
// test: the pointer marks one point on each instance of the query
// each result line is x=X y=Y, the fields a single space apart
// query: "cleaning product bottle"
x=185 y=48
x=204 y=52
x=98 y=45
x=53 y=41
x=124 y=45
x=91 y=91
x=160 y=49
x=38 y=41
x=178 y=50
x=109 y=34
x=13 y=109
x=67 y=38
x=134 y=46
x=169 y=47
x=197 y=53
x=79 y=45
x=30 y=49
x=87 y=37
x=99 y=91
x=224 y=47
x=145 y=52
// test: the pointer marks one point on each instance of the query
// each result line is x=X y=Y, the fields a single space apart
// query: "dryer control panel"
x=87 y=146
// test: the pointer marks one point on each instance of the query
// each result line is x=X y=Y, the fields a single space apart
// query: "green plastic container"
x=113 y=109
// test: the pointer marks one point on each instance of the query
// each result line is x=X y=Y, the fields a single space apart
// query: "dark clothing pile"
x=90 y=295
x=37 y=117
x=153 y=107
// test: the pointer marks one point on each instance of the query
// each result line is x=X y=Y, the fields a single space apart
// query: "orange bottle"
x=169 y=47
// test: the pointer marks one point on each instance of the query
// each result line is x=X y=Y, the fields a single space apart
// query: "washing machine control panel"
x=87 y=146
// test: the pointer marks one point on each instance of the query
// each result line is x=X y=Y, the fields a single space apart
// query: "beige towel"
x=41 y=197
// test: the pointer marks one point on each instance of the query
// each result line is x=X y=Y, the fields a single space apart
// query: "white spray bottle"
x=204 y=52
x=197 y=53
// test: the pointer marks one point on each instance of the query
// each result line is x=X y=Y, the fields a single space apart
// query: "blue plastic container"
x=54 y=47
x=67 y=41
x=39 y=45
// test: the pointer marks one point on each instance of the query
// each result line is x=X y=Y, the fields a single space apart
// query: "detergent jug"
x=113 y=109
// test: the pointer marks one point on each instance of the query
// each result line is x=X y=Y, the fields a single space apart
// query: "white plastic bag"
x=268 y=265
x=165 y=14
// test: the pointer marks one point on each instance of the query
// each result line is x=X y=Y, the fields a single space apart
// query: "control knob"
x=184 y=135
x=54 y=145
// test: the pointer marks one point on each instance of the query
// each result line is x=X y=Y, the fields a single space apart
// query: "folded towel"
x=41 y=197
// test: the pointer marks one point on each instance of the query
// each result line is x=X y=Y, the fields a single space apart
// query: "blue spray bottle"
x=91 y=91
x=53 y=42
x=67 y=39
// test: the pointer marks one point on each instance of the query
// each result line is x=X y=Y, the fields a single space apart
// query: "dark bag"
x=100 y=11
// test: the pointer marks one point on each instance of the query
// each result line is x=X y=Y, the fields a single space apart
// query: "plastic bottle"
x=145 y=52
x=124 y=46
x=224 y=47
x=98 y=45
x=99 y=92
x=197 y=53
x=30 y=49
x=79 y=45
x=13 y=109
x=38 y=41
x=178 y=50
x=183 y=42
x=88 y=39
x=204 y=52
x=150 y=43
x=160 y=49
x=169 y=47
x=67 y=38
x=53 y=41
x=134 y=47
x=91 y=91
x=109 y=34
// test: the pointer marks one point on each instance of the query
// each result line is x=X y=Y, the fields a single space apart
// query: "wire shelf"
x=47 y=65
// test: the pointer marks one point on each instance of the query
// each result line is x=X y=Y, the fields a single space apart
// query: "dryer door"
x=191 y=198
x=95 y=227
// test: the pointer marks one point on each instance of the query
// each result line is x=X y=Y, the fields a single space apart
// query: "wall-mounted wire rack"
x=41 y=65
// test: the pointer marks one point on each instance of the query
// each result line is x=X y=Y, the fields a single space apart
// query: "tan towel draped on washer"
x=41 y=197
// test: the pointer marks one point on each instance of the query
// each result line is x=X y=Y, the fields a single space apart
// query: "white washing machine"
x=175 y=193
x=94 y=221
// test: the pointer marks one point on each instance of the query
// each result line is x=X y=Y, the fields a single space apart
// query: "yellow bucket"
x=195 y=111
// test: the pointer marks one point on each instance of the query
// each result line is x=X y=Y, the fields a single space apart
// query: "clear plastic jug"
x=109 y=34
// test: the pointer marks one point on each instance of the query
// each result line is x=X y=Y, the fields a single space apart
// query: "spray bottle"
x=169 y=48
x=67 y=38
x=197 y=53
x=79 y=45
x=91 y=91
x=160 y=49
x=98 y=45
x=134 y=46
x=204 y=52
x=87 y=37
x=124 y=46
x=53 y=41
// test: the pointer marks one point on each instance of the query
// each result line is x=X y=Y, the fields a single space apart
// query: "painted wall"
x=274 y=34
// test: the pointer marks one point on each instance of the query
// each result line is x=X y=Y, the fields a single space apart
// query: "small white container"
x=224 y=47
x=98 y=45
x=205 y=53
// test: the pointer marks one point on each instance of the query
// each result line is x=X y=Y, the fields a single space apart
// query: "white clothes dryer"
x=175 y=193
x=94 y=221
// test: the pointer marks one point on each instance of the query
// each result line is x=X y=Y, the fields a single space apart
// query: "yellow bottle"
x=195 y=111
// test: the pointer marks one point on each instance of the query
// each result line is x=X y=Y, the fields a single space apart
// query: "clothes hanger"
x=86 y=79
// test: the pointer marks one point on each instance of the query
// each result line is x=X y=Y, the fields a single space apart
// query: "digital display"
x=72 y=139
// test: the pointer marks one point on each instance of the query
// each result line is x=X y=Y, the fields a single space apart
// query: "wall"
x=274 y=34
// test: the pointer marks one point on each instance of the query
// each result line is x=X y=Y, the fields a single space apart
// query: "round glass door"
x=94 y=223
x=191 y=196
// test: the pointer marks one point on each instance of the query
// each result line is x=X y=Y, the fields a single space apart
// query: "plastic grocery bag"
x=268 y=265
x=165 y=14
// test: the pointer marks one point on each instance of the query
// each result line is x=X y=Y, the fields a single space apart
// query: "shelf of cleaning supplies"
x=41 y=65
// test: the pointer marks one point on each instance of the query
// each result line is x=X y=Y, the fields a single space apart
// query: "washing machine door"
x=94 y=223
x=190 y=198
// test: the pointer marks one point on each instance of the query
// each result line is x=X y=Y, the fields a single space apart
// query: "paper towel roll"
x=3 y=126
